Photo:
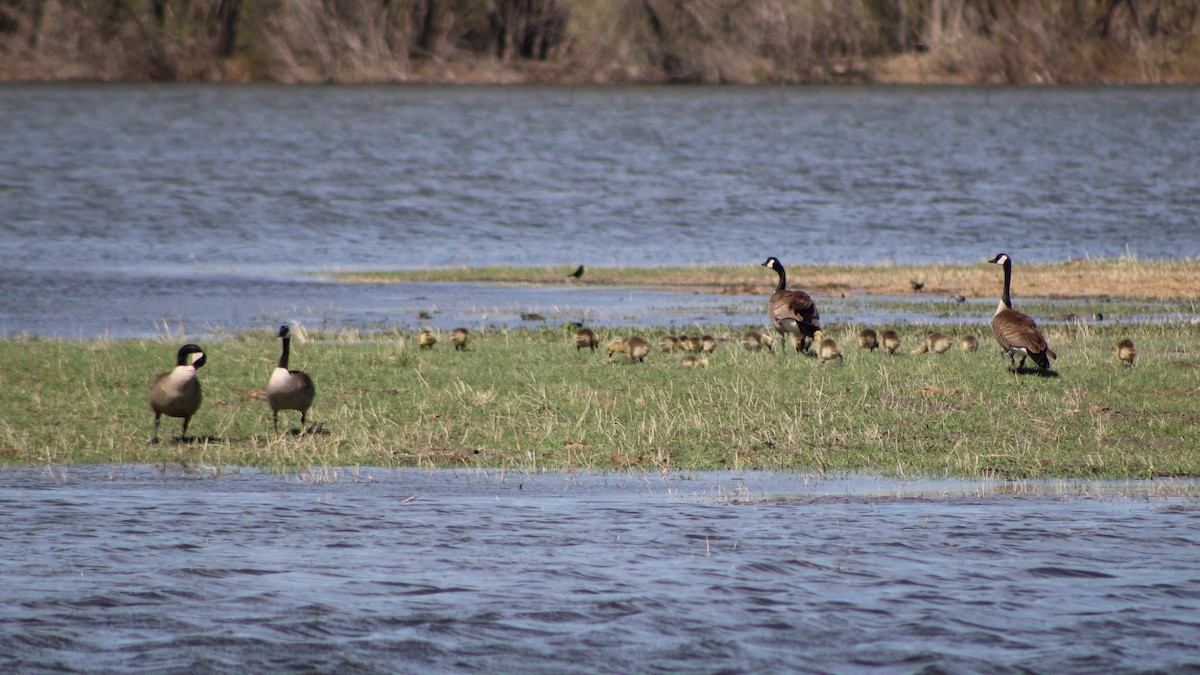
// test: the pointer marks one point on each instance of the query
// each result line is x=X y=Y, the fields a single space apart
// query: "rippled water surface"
x=136 y=204
x=140 y=568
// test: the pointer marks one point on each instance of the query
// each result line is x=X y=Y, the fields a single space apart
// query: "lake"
x=118 y=568
x=173 y=211
x=217 y=207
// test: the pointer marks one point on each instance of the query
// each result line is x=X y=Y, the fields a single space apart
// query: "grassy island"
x=527 y=399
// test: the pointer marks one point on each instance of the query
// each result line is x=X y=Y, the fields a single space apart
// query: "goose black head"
x=772 y=263
x=284 y=332
x=1000 y=259
x=186 y=351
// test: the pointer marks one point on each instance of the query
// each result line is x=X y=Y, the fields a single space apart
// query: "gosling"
x=289 y=389
x=935 y=343
x=1126 y=353
x=692 y=361
x=867 y=339
x=614 y=346
x=586 y=337
x=426 y=339
x=828 y=350
x=802 y=343
x=708 y=344
x=969 y=344
x=668 y=343
x=890 y=340
x=460 y=337
x=755 y=341
x=637 y=348
x=176 y=393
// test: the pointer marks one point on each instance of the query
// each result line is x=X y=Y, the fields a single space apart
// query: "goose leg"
x=154 y=436
x=275 y=419
x=183 y=433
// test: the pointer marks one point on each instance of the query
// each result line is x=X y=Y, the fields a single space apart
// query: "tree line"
x=602 y=41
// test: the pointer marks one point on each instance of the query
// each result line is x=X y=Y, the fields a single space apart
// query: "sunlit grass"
x=528 y=399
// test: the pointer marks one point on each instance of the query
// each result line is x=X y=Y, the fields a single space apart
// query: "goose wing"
x=1017 y=330
x=794 y=306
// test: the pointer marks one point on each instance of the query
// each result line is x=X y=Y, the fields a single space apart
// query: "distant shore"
x=612 y=42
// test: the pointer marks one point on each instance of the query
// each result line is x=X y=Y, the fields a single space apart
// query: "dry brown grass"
x=621 y=41
x=1124 y=278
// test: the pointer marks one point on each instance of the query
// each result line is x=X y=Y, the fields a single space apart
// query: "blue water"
x=132 y=188
x=118 y=569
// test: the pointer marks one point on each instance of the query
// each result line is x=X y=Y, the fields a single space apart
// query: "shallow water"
x=216 y=197
x=136 y=568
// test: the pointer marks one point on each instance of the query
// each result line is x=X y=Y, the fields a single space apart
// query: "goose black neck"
x=782 y=277
x=1007 y=280
x=283 y=357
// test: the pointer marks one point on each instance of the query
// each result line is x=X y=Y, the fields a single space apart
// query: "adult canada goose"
x=637 y=348
x=460 y=337
x=792 y=312
x=668 y=343
x=426 y=339
x=586 y=337
x=176 y=393
x=692 y=361
x=828 y=350
x=935 y=343
x=289 y=389
x=890 y=340
x=1126 y=352
x=755 y=341
x=969 y=343
x=867 y=339
x=1016 y=331
x=708 y=344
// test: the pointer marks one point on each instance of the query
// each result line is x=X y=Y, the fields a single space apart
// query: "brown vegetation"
x=1128 y=277
x=609 y=41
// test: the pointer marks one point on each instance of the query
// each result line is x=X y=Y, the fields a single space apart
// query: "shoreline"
x=1077 y=279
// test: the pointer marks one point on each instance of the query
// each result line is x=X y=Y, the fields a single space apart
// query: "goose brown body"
x=177 y=393
x=1017 y=332
x=792 y=312
x=289 y=389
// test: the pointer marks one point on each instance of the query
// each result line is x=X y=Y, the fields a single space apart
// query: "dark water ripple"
x=132 y=568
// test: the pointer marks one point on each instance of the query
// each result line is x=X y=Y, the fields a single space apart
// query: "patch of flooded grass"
x=527 y=399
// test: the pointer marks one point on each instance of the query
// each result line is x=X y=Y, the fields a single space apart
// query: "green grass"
x=527 y=400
